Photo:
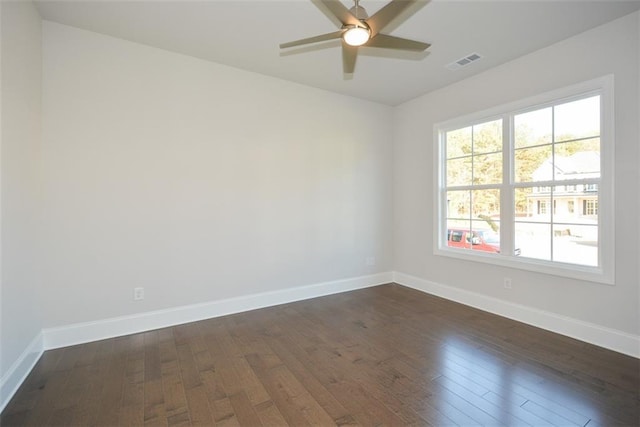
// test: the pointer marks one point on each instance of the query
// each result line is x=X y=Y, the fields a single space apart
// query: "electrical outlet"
x=370 y=261
x=138 y=294
x=507 y=283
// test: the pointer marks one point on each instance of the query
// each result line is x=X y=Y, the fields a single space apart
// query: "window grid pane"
x=575 y=231
x=473 y=163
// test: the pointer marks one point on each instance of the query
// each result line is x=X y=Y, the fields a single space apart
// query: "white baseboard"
x=17 y=373
x=125 y=325
x=611 y=339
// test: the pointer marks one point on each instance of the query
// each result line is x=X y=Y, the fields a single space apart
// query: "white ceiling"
x=246 y=34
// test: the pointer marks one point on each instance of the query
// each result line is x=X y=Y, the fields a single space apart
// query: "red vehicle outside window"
x=458 y=238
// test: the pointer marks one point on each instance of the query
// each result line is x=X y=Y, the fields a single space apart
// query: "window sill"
x=570 y=271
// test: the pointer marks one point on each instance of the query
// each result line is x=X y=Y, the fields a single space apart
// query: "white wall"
x=612 y=48
x=20 y=124
x=199 y=182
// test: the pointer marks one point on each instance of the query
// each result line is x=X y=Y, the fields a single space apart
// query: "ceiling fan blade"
x=392 y=42
x=315 y=39
x=349 y=55
x=340 y=12
x=388 y=13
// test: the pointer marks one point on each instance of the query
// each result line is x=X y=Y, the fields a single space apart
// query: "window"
x=517 y=172
x=542 y=207
x=590 y=207
x=455 y=236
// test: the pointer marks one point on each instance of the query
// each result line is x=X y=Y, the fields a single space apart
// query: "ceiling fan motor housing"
x=359 y=12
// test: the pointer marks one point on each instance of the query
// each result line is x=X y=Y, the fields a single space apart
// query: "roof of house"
x=580 y=163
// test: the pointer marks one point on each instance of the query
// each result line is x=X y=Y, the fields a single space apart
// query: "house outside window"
x=518 y=172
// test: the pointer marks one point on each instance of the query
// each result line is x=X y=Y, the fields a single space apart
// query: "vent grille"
x=462 y=62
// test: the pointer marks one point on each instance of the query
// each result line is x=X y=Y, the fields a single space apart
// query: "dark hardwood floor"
x=387 y=355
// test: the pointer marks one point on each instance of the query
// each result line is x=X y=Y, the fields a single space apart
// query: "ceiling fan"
x=358 y=29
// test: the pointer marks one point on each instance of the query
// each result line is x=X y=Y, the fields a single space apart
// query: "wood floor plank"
x=200 y=413
x=154 y=409
x=50 y=392
x=334 y=408
x=385 y=355
x=188 y=369
x=113 y=386
x=494 y=414
x=513 y=405
x=270 y=415
x=223 y=413
x=549 y=415
x=291 y=397
x=235 y=373
x=244 y=410
x=132 y=406
x=472 y=414
x=524 y=384
x=88 y=404
x=342 y=383
x=400 y=394
x=175 y=400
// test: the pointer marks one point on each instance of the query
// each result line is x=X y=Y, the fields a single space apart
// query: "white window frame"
x=604 y=272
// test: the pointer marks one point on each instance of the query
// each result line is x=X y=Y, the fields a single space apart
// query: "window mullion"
x=507 y=219
x=470 y=215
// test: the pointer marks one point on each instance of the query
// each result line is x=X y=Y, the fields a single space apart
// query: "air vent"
x=462 y=62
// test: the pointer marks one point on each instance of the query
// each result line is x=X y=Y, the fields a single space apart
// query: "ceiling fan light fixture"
x=356 y=36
